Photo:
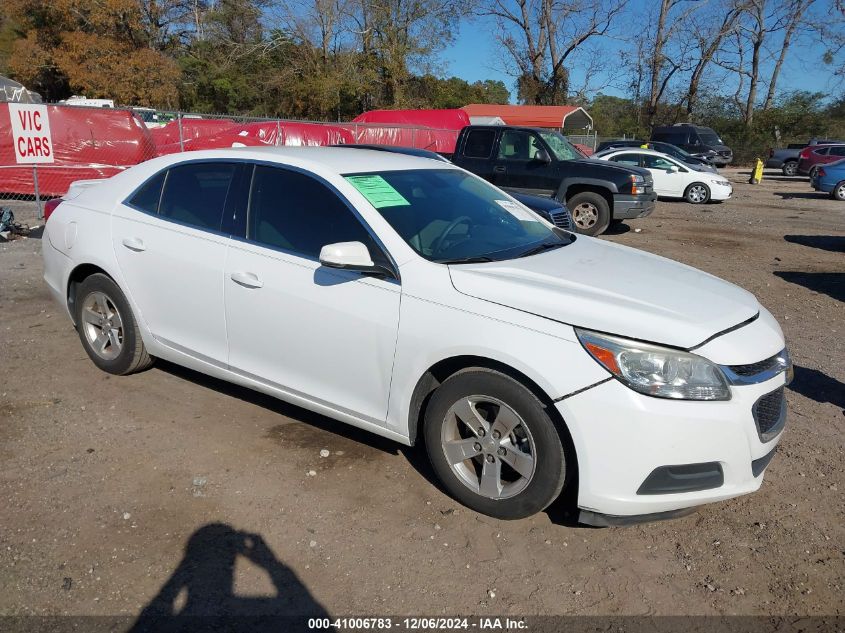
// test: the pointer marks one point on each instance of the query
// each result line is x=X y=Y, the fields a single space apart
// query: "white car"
x=413 y=299
x=672 y=178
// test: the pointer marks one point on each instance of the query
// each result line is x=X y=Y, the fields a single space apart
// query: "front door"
x=668 y=177
x=518 y=167
x=321 y=334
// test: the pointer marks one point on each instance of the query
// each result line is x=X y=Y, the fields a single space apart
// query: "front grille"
x=753 y=369
x=770 y=414
x=561 y=219
x=726 y=153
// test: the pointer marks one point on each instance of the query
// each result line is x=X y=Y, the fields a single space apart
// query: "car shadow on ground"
x=832 y=284
x=818 y=386
x=834 y=243
x=617 y=228
x=801 y=195
x=562 y=512
x=199 y=595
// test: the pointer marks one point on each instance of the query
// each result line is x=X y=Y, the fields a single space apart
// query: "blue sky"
x=475 y=55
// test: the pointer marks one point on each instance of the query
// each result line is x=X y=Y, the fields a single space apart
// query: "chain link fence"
x=95 y=143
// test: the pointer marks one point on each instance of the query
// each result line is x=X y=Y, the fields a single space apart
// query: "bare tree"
x=541 y=37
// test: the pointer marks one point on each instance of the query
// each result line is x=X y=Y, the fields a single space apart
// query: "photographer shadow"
x=199 y=595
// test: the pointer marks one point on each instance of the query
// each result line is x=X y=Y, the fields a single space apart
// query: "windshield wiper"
x=465 y=260
x=545 y=246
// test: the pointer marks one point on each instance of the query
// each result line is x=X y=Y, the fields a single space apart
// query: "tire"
x=107 y=327
x=590 y=213
x=838 y=191
x=790 y=168
x=697 y=193
x=814 y=170
x=485 y=479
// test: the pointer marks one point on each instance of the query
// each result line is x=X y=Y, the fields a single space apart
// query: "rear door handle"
x=499 y=170
x=134 y=244
x=248 y=280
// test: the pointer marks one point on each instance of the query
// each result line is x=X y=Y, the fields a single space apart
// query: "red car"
x=811 y=157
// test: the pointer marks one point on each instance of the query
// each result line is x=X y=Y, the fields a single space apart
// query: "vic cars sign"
x=31 y=133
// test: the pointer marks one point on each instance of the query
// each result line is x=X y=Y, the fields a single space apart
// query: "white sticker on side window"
x=518 y=211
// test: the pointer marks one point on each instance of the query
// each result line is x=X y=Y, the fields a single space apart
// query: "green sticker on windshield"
x=378 y=191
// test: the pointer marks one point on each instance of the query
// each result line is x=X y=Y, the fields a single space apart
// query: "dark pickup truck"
x=543 y=162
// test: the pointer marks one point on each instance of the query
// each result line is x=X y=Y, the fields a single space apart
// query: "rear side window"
x=627 y=159
x=298 y=214
x=823 y=151
x=479 y=143
x=195 y=194
x=147 y=196
x=675 y=137
x=837 y=151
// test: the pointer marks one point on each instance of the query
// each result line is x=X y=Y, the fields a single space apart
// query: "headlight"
x=656 y=371
x=723 y=183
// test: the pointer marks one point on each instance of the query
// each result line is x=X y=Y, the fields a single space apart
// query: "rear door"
x=477 y=152
x=170 y=241
x=517 y=166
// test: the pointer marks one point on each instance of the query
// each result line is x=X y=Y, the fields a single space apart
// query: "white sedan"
x=672 y=178
x=413 y=299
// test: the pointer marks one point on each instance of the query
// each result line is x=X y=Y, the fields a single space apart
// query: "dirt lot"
x=104 y=481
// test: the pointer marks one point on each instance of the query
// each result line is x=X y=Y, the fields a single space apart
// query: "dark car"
x=810 y=158
x=786 y=158
x=548 y=208
x=696 y=163
x=541 y=161
x=697 y=140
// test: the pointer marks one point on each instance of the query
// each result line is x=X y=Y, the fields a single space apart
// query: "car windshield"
x=449 y=216
x=561 y=147
x=709 y=137
x=672 y=150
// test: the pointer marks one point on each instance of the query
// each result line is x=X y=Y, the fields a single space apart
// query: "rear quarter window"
x=479 y=143
x=147 y=196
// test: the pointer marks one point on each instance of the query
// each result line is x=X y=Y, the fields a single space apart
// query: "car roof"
x=638 y=150
x=335 y=160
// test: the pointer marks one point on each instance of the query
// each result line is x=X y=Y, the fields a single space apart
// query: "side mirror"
x=350 y=256
x=542 y=156
x=673 y=169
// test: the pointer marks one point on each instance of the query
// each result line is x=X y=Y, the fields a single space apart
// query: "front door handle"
x=134 y=244
x=499 y=170
x=248 y=280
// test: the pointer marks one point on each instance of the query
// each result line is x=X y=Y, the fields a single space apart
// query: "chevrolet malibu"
x=412 y=299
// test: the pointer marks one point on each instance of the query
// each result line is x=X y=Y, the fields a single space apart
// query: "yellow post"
x=757 y=174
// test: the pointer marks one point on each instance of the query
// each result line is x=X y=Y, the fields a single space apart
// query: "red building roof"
x=573 y=117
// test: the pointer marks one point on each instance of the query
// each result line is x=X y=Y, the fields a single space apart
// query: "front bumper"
x=622 y=436
x=628 y=207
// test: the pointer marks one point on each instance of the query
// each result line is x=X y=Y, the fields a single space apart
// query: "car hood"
x=625 y=169
x=614 y=289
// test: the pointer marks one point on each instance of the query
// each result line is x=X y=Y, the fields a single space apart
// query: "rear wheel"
x=493 y=445
x=838 y=192
x=697 y=193
x=814 y=171
x=790 y=168
x=590 y=212
x=107 y=327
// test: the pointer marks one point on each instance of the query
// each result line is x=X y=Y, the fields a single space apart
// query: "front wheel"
x=790 y=168
x=107 y=327
x=590 y=213
x=838 y=192
x=493 y=446
x=697 y=193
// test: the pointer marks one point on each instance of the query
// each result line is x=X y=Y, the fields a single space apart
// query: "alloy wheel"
x=488 y=446
x=102 y=325
x=697 y=194
x=790 y=168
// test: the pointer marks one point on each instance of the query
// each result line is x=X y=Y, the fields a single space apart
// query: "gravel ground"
x=167 y=487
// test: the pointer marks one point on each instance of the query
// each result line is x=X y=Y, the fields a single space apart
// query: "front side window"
x=448 y=216
x=297 y=213
x=516 y=145
x=195 y=194
x=657 y=162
